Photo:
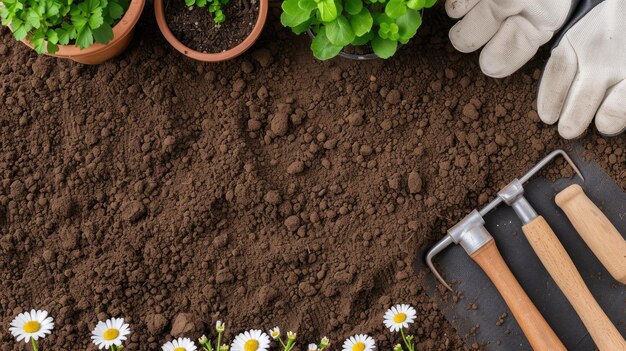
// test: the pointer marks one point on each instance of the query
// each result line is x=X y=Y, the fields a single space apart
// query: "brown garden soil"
x=195 y=28
x=269 y=190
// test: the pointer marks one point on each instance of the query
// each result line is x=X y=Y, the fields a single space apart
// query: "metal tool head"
x=470 y=232
x=551 y=156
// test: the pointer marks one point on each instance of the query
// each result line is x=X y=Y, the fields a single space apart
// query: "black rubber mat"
x=480 y=306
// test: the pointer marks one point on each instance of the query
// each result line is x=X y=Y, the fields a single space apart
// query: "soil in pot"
x=195 y=28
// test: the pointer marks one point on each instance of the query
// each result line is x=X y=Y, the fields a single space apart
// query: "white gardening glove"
x=587 y=73
x=512 y=30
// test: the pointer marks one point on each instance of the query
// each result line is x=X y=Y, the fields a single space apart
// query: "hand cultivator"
x=479 y=244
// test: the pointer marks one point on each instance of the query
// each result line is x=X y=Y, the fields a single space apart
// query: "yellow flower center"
x=32 y=327
x=251 y=345
x=399 y=318
x=359 y=346
x=111 y=334
x=180 y=349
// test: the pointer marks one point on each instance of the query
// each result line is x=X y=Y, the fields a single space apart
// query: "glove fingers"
x=611 y=117
x=584 y=98
x=459 y=8
x=558 y=76
x=475 y=29
x=514 y=44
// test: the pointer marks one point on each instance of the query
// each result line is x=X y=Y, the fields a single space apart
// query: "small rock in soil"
x=133 y=211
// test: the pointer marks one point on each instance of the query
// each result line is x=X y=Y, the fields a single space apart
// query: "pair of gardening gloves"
x=585 y=76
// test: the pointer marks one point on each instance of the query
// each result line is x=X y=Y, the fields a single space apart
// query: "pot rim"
x=211 y=57
x=125 y=26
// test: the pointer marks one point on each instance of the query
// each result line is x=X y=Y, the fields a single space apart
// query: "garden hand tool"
x=472 y=235
x=586 y=73
x=557 y=262
x=596 y=230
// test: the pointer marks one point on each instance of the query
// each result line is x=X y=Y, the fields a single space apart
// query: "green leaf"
x=96 y=19
x=362 y=40
x=353 y=7
x=103 y=34
x=328 y=10
x=92 y=5
x=79 y=21
x=52 y=48
x=64 y=36
x=84 y=38
x=52 y=36
x=301 y=28
x=339 y=32
x=20 y=29
x=292 y=21
x=395 y=8
x=291 y=7
x=33 y=18
x=190 y=2
x=307 y=5
x=322 y=48
x=384 y=48
x=52 y=9
x=408 y=25
x=116 y=10
x=362 y=22
x=415 y=4
x=430 y=3
x=39 y=45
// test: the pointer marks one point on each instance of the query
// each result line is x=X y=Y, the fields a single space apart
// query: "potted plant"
x=211 y=30
x=380 y=26
x=86 y=31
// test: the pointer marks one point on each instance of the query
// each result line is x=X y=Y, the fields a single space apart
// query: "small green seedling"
x=213 y=6
x=48 y=23
x=338 y=23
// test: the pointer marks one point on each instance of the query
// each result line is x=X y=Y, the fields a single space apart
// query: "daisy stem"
x=282 y=343
x=406 y=342
x=34 y=343
x=219 y=340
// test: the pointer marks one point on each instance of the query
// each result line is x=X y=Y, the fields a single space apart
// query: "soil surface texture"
x=194 y=26
x=273 y=189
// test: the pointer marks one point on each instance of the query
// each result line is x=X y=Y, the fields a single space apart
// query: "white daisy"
x=110 y=333
x=291 y=335
x=312 y=347
x=399 y=316
x=324 y=342
x=219 y=326
x=275 y=333
x=251 y=340
x=180 y=344
x=361 y=342
x=33 y=324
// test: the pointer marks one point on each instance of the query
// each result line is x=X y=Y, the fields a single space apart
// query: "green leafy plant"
x=48 y=23
x=384 y=24
x=214 y=7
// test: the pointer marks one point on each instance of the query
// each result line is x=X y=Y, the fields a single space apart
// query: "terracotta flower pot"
x=211 y=57
x=99 y=53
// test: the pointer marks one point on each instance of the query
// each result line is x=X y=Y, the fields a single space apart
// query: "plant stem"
x=406 y=342
x=34 y=343
x=219 y=341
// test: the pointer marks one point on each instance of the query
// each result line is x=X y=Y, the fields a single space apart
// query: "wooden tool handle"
x=595 y=229
x=561 y=268
x=538 y=332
